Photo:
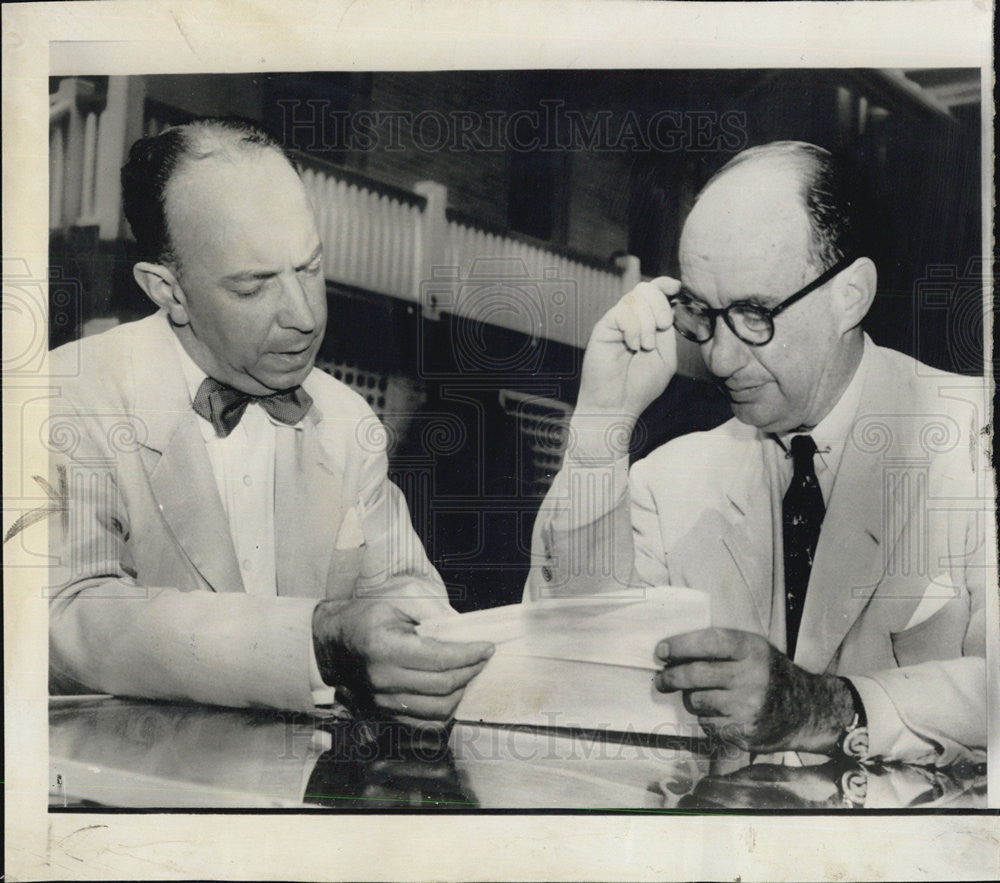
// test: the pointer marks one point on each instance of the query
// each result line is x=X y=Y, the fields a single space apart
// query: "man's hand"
x=746 y=693
x=631 y=356
x=373 y=648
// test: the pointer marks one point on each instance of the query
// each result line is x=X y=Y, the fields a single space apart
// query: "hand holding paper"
x=373 y=649
x=577 y=663
x=747 y=693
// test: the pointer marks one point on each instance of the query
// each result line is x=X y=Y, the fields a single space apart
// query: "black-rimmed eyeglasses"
x=751 y=323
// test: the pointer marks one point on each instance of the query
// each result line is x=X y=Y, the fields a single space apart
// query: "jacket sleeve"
x=110 y=633
x=597 y=530
x=394 y=566
x=905 y=727
x=904 y=722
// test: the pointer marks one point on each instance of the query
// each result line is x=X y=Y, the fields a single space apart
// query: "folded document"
x=579 y=663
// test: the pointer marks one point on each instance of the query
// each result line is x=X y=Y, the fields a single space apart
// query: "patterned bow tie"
x=223 y=406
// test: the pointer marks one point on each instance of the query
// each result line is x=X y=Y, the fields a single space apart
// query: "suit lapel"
x=863 y=520
x=748 y=537
x=185 y=489
x=308 y=492
x=844 y=573
x=174 y=450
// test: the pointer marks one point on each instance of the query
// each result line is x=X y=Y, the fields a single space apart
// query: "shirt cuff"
x=322 y=693
x=597 y=440
x=888 y=737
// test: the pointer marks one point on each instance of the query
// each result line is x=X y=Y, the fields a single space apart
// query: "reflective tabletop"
x=108 y=752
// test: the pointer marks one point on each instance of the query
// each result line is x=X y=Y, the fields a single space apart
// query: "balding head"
x=830 y=193
x=154 y=162
x=240 y=274
x=768 y=224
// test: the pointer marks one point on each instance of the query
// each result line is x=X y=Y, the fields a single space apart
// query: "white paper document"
x=577 y=663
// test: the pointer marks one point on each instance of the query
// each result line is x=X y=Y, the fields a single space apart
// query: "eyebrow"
x=756 y=300
x=261 y=275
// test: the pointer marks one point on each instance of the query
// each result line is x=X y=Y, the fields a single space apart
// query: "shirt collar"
x=195 y=376
x=831 y=433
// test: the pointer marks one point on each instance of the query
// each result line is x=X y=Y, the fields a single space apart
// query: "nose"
x=301 y=307
x=725 y=353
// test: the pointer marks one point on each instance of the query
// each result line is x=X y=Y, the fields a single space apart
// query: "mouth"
x=743 y=392
x=294 y=357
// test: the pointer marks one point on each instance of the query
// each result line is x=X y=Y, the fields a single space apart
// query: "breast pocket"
x=345 y=561
x=940 y=636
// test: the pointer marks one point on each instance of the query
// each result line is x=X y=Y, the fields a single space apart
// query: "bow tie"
x=223 y=406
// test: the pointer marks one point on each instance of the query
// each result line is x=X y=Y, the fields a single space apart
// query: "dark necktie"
x=223 y=406
x=802 y=517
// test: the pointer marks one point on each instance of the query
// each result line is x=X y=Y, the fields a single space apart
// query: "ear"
x=163 y=289
x=857 y=292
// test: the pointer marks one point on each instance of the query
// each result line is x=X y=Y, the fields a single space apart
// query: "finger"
x=418 y=608
x=698 y=675
x=711 y=704
x=440 y=708
x=702 y=644
x=654 y=294
x=388 y=678
x=429 y=654
x=644 y=313
x=666 y=346
x=626 y=320
x=666 y=284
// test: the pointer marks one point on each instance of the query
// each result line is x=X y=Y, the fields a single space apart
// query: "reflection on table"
x=111 y=752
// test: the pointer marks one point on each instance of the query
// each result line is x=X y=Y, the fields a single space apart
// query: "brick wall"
x=476 y=181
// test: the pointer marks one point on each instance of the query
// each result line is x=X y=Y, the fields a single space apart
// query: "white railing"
x=86 y=144
x=512 y=282
x=59 y=113
x=376 y=237
x=408 y=245
x=73 y=134
x=371 y=234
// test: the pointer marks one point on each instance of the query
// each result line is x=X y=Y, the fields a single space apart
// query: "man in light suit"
x=841 y=523
x=231 y=535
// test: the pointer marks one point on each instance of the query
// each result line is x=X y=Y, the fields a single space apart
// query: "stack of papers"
x=578 y=663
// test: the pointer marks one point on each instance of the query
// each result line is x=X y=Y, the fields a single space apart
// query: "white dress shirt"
x=243 y=466
x=830 y=435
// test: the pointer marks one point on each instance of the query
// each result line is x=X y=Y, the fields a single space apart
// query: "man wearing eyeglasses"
x=840 y=521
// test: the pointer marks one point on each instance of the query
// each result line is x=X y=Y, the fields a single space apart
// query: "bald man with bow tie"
x=232 y=536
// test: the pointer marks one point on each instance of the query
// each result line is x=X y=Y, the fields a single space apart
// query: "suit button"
x=547 y=574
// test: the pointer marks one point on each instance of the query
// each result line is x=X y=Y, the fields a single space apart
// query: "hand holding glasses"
x=632 y=354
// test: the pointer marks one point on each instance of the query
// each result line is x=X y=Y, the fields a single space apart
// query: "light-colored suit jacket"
x=905 y=555
x=146 y=596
